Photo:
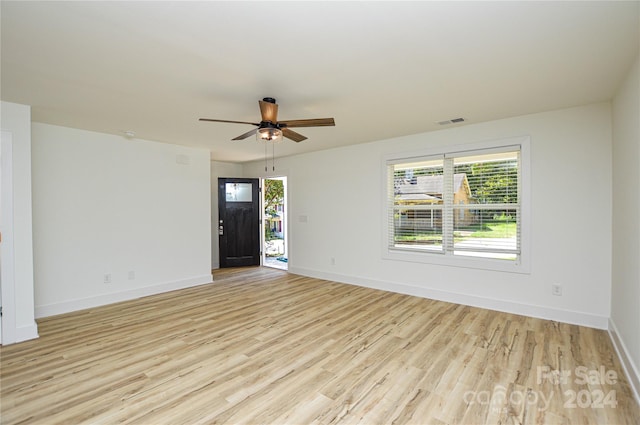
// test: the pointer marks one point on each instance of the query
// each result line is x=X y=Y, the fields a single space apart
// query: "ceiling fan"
x=269 y=128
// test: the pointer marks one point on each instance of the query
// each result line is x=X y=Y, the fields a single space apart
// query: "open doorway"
x=274 y=200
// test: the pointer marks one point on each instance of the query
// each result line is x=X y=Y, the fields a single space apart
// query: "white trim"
x=25 y=333
x=100 y=300
x=540 y=312
x=630 y=369
x=523 y=265
x=9 y=331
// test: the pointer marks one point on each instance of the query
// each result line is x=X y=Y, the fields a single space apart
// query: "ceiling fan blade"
x=290 y=134
x=314 y=122
x=232 y=122
x=269 y=111
x=247 y=134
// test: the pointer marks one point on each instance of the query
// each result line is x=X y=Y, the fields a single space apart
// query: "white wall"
x=340 y=191
x=625 y=298
x=16 y=119
x=219 y=169
x=137 y=210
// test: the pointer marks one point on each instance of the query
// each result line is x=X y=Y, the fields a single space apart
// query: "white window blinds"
x=459 y=203
x=416 y=207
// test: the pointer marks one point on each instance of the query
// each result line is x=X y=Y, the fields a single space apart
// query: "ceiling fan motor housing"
x=269 y=124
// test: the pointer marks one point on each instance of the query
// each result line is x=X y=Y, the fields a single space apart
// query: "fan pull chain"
x=273 y=156
x=265 y=156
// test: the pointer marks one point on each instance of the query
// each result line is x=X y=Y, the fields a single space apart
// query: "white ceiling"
x=381 y=69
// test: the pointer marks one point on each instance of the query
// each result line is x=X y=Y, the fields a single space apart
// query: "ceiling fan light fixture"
x=269 y=134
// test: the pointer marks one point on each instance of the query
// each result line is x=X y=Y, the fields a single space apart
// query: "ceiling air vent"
x=451 y=121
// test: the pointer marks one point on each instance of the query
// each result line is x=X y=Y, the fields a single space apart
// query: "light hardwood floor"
x=262 y=346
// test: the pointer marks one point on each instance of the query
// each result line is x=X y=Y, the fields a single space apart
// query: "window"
x=238 y=192
x=459 y=207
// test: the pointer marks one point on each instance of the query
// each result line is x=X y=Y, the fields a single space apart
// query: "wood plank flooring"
x=262 y=346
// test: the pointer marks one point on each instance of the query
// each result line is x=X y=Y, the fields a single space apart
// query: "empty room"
x=307 y=212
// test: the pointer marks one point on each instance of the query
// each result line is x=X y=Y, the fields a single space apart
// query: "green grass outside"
x=497 y=229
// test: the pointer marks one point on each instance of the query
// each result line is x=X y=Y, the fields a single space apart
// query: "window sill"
x=470 y=262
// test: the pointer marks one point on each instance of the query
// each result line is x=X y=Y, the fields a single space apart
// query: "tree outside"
x=273 y=198
x=273 y=195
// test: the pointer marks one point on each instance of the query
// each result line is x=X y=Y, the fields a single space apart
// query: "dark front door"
x=239 y=222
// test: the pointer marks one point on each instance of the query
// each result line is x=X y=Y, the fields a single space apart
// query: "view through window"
x=457 y=204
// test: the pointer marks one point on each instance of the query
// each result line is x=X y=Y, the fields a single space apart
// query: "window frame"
x=521 y=265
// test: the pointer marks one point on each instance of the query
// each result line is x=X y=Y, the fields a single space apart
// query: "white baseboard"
x=565 y=316
x=630 y=368
x=104 y=299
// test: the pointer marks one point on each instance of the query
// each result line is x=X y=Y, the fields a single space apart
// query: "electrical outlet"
x=107 y=278
x=556 y=290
